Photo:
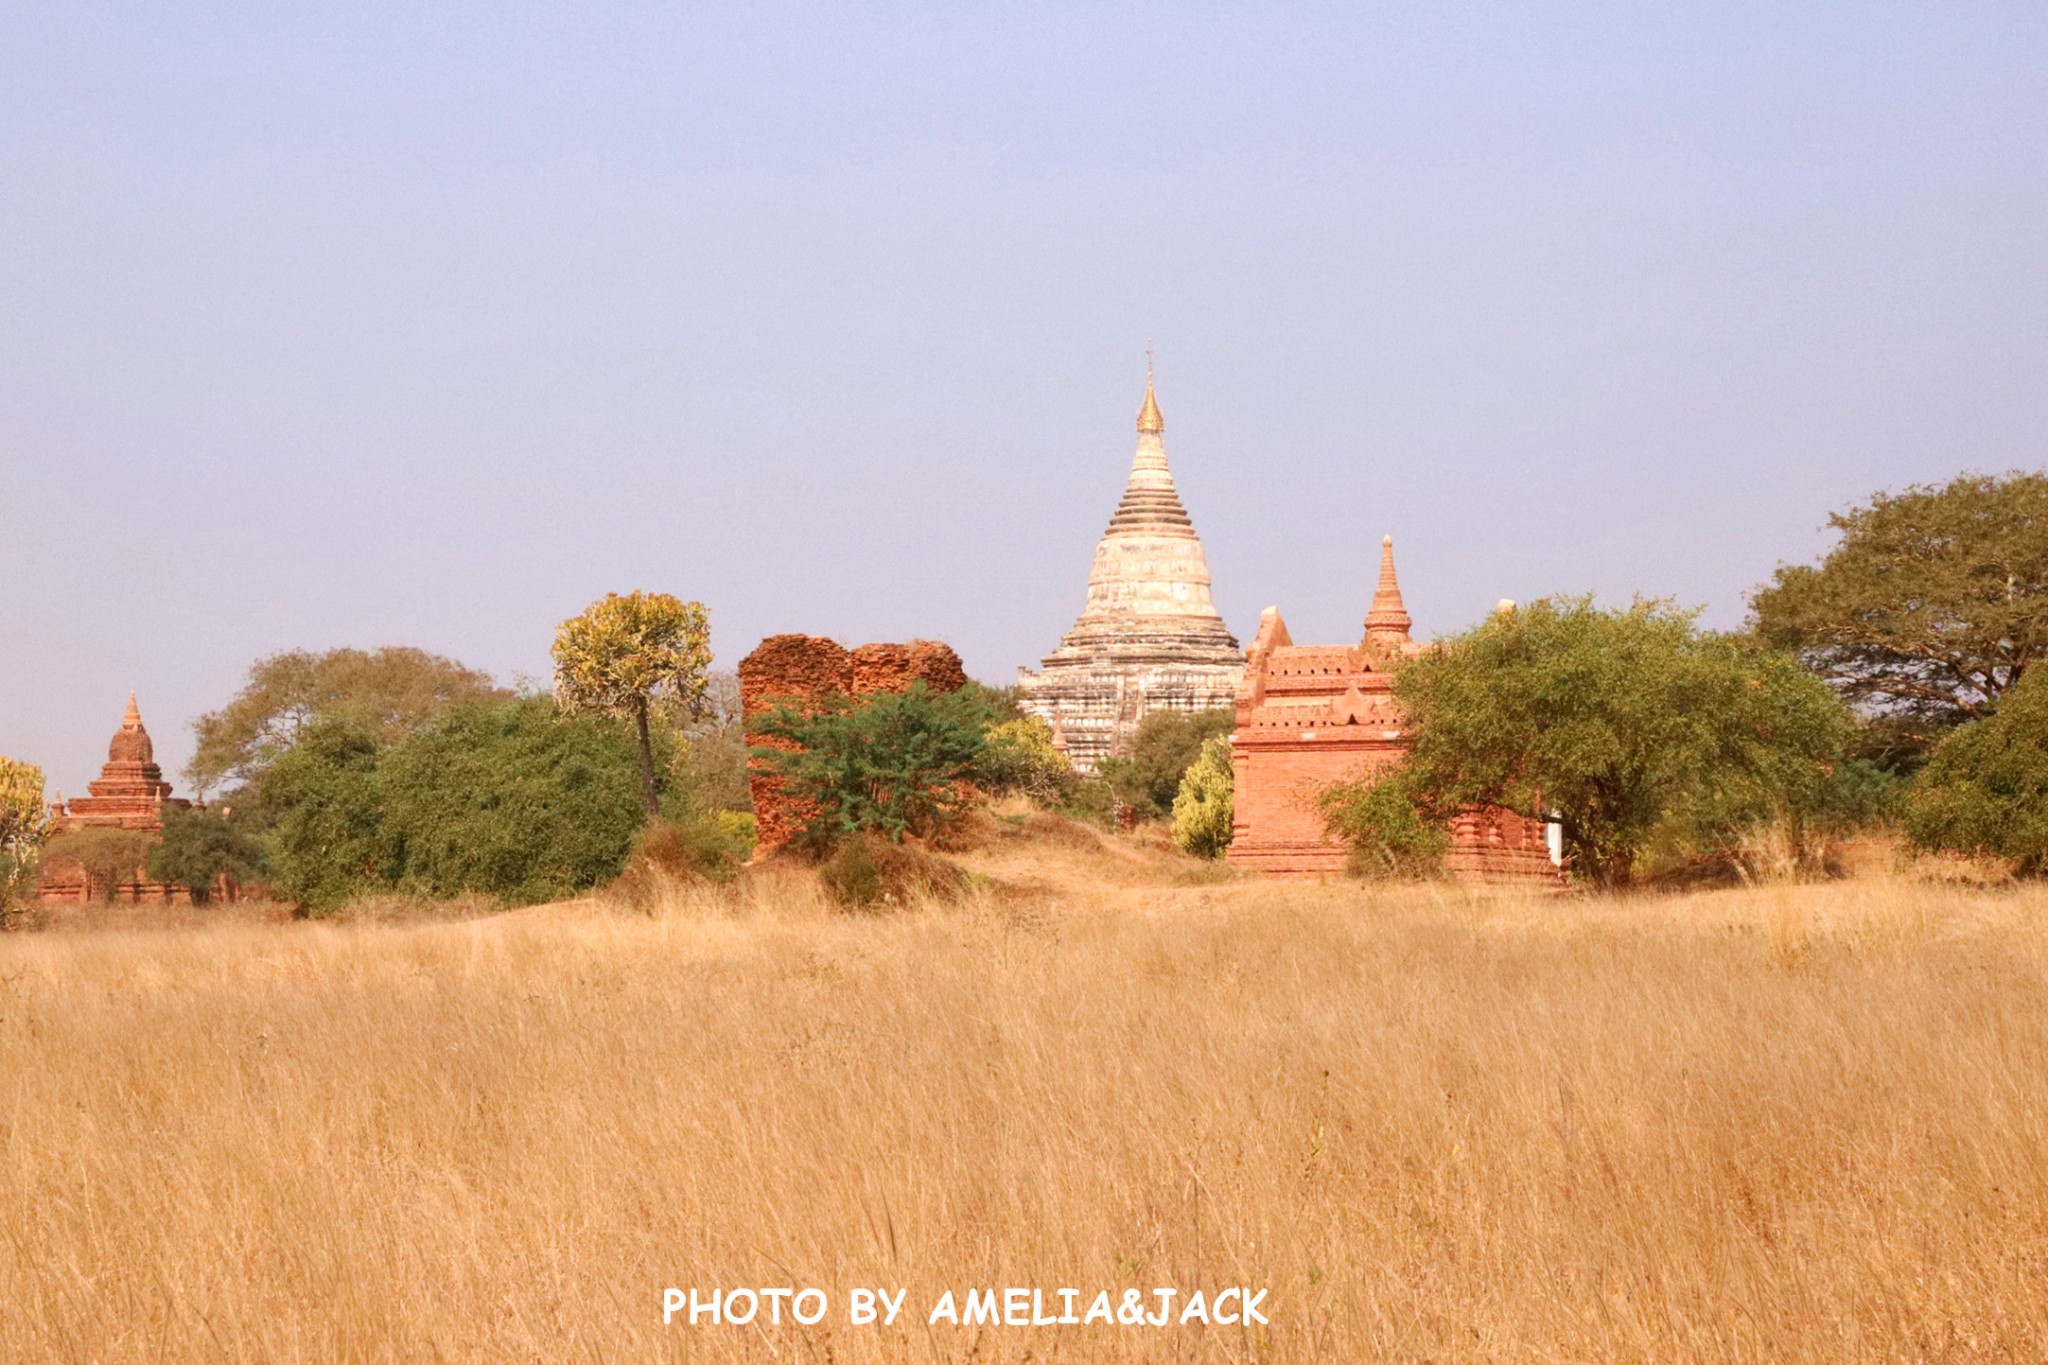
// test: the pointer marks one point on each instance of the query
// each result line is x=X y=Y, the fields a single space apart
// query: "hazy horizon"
x=427 y=328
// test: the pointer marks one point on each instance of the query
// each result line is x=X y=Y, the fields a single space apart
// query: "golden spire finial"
x=1149 y=420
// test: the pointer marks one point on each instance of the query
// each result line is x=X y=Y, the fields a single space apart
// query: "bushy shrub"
x=1391 y=827
x=1985 y=791
x=1019 y=756
x=893 y=764
x=1203 y=808
x=199 y=847
x=511 y=800
x=869 y=872
x=1165 y=746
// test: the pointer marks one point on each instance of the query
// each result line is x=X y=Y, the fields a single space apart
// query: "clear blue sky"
x=426 y=324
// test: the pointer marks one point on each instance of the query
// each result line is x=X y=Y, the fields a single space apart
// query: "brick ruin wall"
x=800 y=671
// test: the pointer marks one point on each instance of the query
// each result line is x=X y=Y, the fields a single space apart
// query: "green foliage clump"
x=389 y=692
x=1620 y=720
x=1985 y=789
x=1019 y=756
x=1166 y=745
x=893 y=764
x=1393 y=827
x=1930 y=608
x=111 y=858
x=515 y=801
x=1204 y=807
x=24 y=824
x=198 y=847
x=329 y=842
x=511 y=800
x=869 y=872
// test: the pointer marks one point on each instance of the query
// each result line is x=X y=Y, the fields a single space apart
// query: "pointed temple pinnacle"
x=1388 y=619
x=1149 y=420
x=134 y=717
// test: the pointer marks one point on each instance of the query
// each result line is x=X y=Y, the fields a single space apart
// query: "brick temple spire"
x=1388 y=621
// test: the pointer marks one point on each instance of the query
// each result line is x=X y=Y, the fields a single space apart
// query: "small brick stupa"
x=130 y=794
x=1311 y=715
x=1149 y=638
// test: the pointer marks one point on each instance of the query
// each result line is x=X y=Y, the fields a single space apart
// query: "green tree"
x=24 y=823
x=511 y=800
x=627 y=653
x=1204 y=806
x=1929 y=609
x=329 y=843
x=1985 y=789
x=1394 y=828
x=199 y=846
x=508 y=799
x=389 y=692
x=894 y=763
x=1620 y=720
x=1166 y=744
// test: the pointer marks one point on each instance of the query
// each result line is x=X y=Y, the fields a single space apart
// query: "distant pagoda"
x=130 y=794
x=1149 y=638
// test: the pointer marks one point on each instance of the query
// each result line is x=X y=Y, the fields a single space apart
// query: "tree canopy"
x=388 y=692
x=1931 y=606
x=1985 y=790
x=506 y=799
x=628 y=652
x=1620 y=720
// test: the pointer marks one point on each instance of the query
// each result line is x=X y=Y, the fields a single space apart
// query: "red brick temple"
x=1311 y=715
x=130 y=794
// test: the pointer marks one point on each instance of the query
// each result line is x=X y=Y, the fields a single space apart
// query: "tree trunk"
x=646 y=760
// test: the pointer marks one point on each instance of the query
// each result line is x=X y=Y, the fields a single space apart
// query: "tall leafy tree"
x=388 y=692
x=1931 y=606
x=1618 y=719
x=626 y=654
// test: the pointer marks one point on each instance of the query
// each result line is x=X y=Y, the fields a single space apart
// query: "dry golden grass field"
x=1800 y=1123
